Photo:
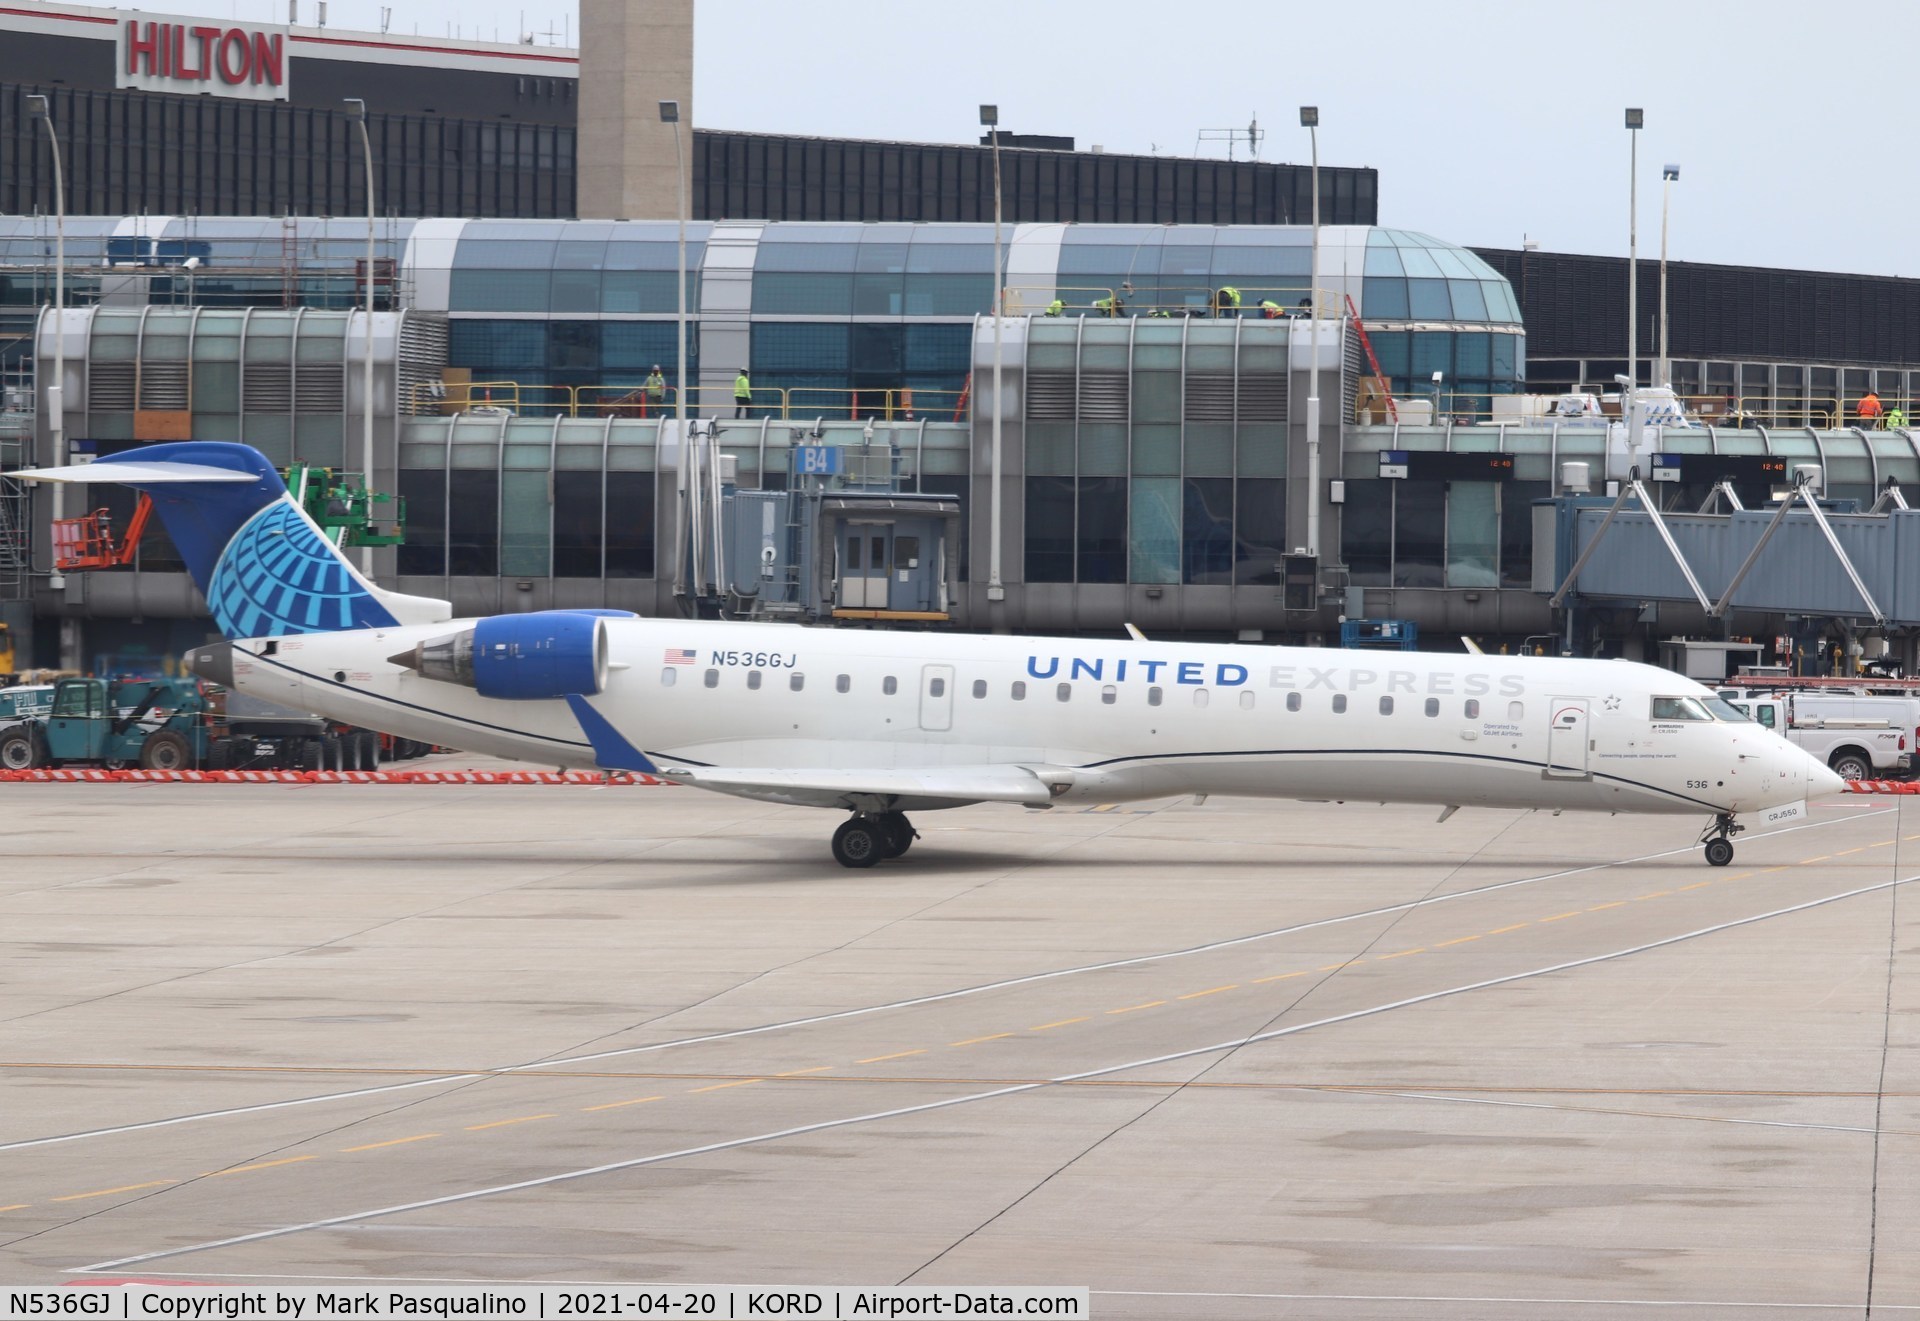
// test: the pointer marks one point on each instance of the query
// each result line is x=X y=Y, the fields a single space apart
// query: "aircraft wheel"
x=899 y=832
x=860 y=842
x=165 y=750
x=1719 y=852
x=369 y=745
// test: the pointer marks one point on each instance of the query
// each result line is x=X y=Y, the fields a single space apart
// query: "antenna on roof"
x=1252 y=135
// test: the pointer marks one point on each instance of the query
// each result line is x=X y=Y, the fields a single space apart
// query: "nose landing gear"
x=863 y=840
x=1718 y=839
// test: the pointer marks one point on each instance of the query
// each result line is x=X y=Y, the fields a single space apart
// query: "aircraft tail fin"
x=264 y=566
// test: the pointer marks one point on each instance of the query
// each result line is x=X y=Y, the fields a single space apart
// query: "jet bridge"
x=1799 y=557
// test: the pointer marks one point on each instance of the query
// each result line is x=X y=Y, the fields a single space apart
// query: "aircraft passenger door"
x=936 y=697
x=1567 y=739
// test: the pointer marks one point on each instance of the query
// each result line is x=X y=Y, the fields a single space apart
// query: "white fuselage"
x=1116 y=719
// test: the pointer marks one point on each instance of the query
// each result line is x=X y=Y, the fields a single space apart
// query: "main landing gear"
x=867 y=838
x=1718 y=839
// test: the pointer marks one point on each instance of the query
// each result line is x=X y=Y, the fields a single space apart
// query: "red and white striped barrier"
x=78 y=775
x=1883 y=786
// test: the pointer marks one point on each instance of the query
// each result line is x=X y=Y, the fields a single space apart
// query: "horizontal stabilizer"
x=133 y=472
x=858 y=790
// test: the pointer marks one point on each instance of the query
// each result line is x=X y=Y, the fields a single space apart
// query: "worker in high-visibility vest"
x=1056 y=307
x=1227 y=301
x=1271 y=310
x=1869 y=409
x=1896 y=418
x=742 y=394
x=656 y=389
x=1108 y=306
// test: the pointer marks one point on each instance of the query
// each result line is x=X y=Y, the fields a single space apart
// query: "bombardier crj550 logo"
x=1227 y=674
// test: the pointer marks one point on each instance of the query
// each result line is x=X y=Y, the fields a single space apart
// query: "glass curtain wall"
x=1155 y=451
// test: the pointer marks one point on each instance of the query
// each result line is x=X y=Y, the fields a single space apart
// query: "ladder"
x=1393 y=414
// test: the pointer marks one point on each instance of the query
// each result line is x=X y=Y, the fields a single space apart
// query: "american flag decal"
x=679 y=655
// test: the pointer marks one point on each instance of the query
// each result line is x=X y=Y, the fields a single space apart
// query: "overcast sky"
x=1487 y=119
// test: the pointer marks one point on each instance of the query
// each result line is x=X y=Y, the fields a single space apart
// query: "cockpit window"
x=1679 y=708
x=1725 y=710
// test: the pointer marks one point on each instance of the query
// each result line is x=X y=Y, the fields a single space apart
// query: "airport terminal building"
x=1154 y=440
x=1153 y=463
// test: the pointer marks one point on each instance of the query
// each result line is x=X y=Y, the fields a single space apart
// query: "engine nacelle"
x=546 y=654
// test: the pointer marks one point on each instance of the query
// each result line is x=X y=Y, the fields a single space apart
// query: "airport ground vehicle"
x=1859 y=737
x=176 y=724
x=27 y=699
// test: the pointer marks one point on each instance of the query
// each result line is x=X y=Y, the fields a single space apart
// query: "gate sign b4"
x=817 y=460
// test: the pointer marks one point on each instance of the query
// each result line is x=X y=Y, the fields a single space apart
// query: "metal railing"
x=1169 y=301
x=800 y=403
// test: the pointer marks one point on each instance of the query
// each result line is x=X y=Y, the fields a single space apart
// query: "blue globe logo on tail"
x=263 y=566
x=279 y=576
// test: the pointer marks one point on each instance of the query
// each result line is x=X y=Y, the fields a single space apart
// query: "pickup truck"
x=1859 y=738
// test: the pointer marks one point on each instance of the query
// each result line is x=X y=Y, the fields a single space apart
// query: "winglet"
x=1134 y=632
x=1473 y=648
x=611 y=751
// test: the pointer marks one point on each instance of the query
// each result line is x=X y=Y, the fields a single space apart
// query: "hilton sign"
x=195 y=57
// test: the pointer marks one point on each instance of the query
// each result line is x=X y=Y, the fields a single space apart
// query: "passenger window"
x=935 y=687
x=796 y=681
x=1473 y=708
x=1019 y=690
x=979 y=687
x=1200 y=697
x=1766 y=716
x=1293 y=701
x=842 y=683
x=1109 y=694
x=853 y=552
x=1246 y=699
x=891 y=685
x=1063 y=691
x=1386 y=706
x=668 y=677
x=753 y=679
x=1153 y=696
x=1433 y=707
x=1339 y=704
x=713 y=678
x=1516 y=711
x=906 y=550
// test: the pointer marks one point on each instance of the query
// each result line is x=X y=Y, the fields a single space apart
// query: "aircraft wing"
x=875 y=790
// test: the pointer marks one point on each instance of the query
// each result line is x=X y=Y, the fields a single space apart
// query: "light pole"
x=996 y=589
x=1629 y=410
x=39 y=108
x=357 y=112
x=1310 y=120
x=1668 y=173
x=670 y=114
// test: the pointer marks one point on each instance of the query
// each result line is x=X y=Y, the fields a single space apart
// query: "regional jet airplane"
x=881 y=724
